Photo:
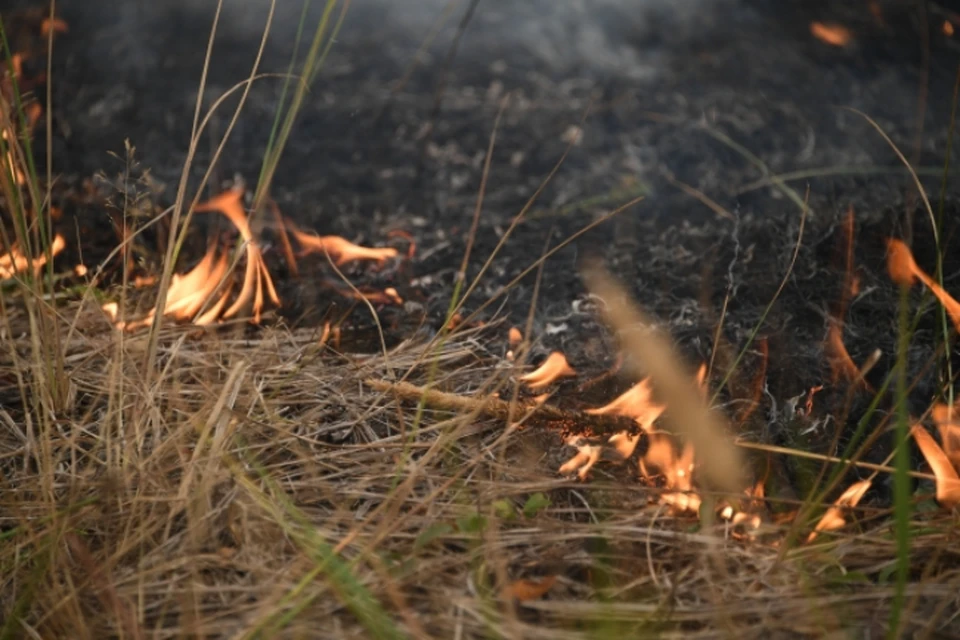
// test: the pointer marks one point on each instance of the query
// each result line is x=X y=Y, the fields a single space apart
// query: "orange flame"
x=15 y=261
x=948 y=482
x=635 y=403
x=514 y=338
x=831 y=33
x=552 y=369
x=341 y=250
x=944 y=418
x=834 y=519
x=676 y=470
x=583 y=461
x=189 y=294
x=841 y=364
x=903 y=270
x=257 y=278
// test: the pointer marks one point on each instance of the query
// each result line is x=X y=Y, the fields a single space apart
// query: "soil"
x=389 y=142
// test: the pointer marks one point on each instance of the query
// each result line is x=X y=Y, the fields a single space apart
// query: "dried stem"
x=570 y=423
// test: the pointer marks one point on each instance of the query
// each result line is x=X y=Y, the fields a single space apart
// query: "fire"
x=341 y=250
x=841 y=364
x=943 y=467
x=948 y=28
x=903 y=270
x=675 y=469
x=552 y=369
x=256 y=279
x=943 y=417
x=635 y=403
x=834 y=519
x=193 y=292
x=15 y=261
x=189 y=294
x=514 y=338
x=831 y=33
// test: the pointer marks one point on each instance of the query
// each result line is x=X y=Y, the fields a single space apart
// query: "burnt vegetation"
x=241 y=396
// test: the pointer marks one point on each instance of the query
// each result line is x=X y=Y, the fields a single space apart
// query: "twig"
x=570 y=423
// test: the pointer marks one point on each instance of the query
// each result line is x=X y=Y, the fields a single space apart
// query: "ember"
x=833 y=34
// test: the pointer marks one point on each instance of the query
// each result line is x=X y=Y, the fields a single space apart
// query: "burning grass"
x=159 y=481
x=266 y=487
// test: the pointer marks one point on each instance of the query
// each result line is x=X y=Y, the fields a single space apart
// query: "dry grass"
x=261 y=489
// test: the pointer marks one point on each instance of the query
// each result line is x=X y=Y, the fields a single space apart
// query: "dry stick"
x=570 y=422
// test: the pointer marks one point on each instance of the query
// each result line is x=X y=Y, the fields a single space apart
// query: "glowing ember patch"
x=948 y=482
x=144 y=281
x=552 y=369
x=15 y=261
x=948 y=28
x=834 y=519
x=831 y=33
x=53 y=24
x=514 y=337
x=903 y=270
x=80 y=270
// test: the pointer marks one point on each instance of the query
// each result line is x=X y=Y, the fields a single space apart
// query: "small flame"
x=841 y=364
x=189 y=294
x=944 y=416
x=676 y=470
x=586 y=456
x=831 y=33
x=257 y=279
x=552 y=369
x=903 y=270
x=948 y=28
x=834 y=519
x=341 y=250
x=948 y=482
x=15 y=261
x=112 y=309
x=514 y=338
x=637 y=403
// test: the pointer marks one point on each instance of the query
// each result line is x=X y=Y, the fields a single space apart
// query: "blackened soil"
x=718 y=95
